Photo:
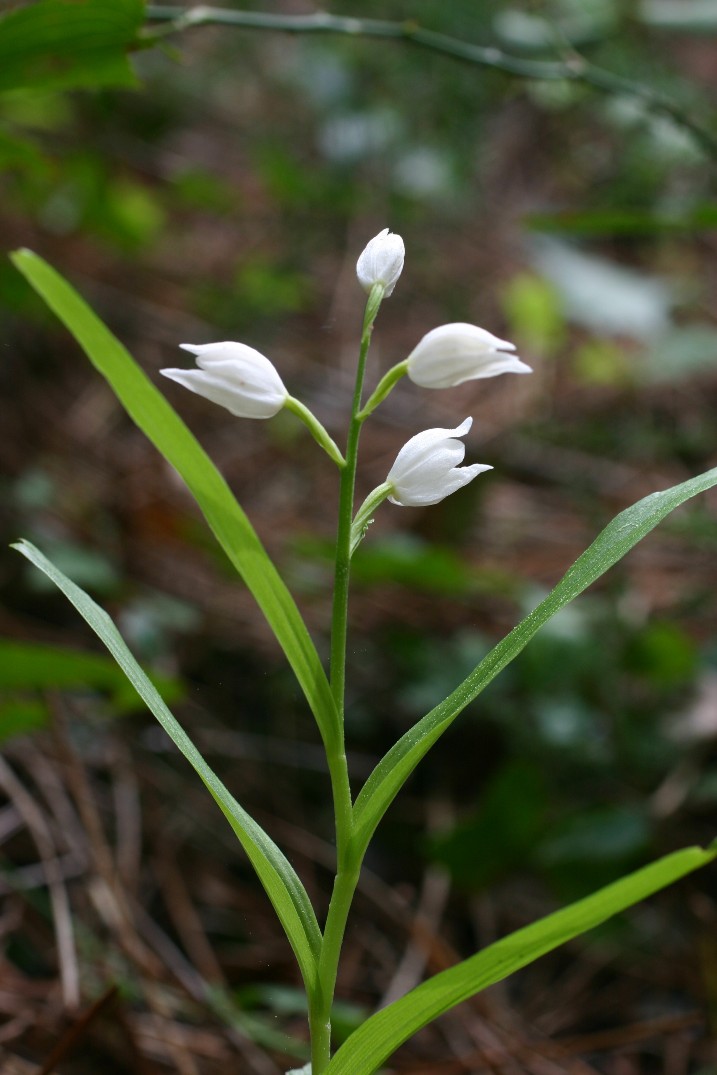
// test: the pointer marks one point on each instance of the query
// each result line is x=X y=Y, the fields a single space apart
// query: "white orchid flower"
x=306 y=1070
x=426 y=469
x=236 y=377
x=451 y=354
x=381 y=262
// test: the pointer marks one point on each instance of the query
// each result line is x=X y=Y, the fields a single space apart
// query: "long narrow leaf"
x=618 y=537
x=282 y=885
x=154 y=416
x=377 y=1038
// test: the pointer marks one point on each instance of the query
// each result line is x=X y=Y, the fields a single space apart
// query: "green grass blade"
x=377 y=1038
x=282 y=885
x=154 y=416
x=618 y=537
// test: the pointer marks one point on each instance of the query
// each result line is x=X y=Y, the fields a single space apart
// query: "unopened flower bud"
x=381 y=262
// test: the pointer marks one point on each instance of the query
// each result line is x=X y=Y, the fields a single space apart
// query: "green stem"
x=383 y=387
x=339 y=907
x=316 y=429
x=346 y=503
x=348 y=865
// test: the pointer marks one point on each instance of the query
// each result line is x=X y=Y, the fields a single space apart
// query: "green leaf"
x=282 y=885
x=618 y=537
x=382 y=1034
x=150 y=410
x=66 y=44
x=36 y=667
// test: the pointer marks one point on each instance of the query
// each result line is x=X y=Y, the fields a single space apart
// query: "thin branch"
x=573 y=69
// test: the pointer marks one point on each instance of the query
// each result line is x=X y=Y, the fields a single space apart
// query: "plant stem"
x=339 y=907
x=348 y=863
x=346 y=504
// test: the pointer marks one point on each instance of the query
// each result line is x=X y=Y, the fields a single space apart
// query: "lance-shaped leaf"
x=66 y=44
x=618 y=537
x=154 y=416
x=282 y=885
x=377 y=1038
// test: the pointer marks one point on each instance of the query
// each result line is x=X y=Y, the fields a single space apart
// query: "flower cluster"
x=427 y=468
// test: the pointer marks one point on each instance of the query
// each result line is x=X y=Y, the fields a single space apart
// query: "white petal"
x=426 y=469
x=452 y=482
x=381 y=262
x=217 y=385
x=452 y=354
x=235 y=376
x=421 y=445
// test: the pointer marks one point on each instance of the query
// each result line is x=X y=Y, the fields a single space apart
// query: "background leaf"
x=28 y=667
x=66 y=44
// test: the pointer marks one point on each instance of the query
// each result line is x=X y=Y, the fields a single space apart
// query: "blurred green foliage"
x=31 y=672
x=61 y=44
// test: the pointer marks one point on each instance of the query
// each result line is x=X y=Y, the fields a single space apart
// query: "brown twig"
x=59 y=900
x=74 y=1033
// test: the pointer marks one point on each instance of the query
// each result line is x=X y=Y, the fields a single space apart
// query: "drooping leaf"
x=154 y=416
x=381 y=1035
x=282 y=885
x=618 y=537
x=67 y=44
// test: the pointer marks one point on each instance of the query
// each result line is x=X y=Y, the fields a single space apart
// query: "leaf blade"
x=381 y=1034
x=618 y=537
x=281 y=883
x=148 y=408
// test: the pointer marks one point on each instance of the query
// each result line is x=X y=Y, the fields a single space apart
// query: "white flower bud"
x=426 y=469
x=234 y=376
x=451 y=354
x=381 y=262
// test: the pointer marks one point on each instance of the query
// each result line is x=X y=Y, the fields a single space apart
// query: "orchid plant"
x=427 y=469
